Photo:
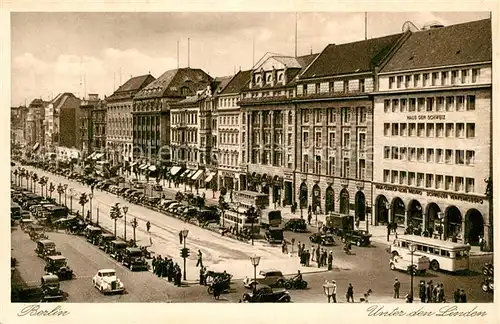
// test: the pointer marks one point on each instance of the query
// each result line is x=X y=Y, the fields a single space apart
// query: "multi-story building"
x=333 y=132
x=61 y=117
x=268 y=125
x=119 y=119
x=432 y=132
x=192 y=139
x=86 y=123
x=35 y=133
x=151 y=112
x=99 y=126
x=18 y=117
x=231 y=170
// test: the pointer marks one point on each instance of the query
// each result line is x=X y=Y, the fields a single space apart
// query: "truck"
x=339 y=224
x=270 y=218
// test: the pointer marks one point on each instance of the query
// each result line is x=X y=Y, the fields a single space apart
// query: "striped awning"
x=197 y=175
x=37 y=145
x=210 y=177
x=91 y=155
x=144 y=166
x=175 y=170
x=185 y=173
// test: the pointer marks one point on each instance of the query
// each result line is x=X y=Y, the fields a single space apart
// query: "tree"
x=252 y=214
x=43 y=183
x=51 y=189
x=116 y=213
x=83 y=200
x=60 y=191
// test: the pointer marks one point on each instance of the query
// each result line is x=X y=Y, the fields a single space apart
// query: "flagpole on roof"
x=366 y=25
x=296 y=32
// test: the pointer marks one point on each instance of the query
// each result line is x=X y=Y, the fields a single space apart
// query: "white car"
x=105 y=280
x=420 y=263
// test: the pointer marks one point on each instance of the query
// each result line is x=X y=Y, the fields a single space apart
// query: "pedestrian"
x=318 y=256
x=298 y=248
x=422 y=291
x=440 y=296
x=434 y=293
x=462 y=297
x=202 y=275
x=308 y=257
x=334 y=295
x=330 y=260
x=200 y=259
x=180 y=237
x=456 y=296
x=283 y=247
x=148 y=226
x=350 y=293
x=313 y=253
x=396 y=285
x=309 y=218
x=153 y=264
x=429 y=291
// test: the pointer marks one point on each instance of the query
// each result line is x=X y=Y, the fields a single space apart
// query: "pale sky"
x=51 y=52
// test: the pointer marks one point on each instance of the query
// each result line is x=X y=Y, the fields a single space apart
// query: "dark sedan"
x=358 y=237
x=323 y=239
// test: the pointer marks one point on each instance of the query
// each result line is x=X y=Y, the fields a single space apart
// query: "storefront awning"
x=91 y=155
x=132 y=164
x=36 y=146
x=152 y=168
x=175 y=170
x=197 y=175
x=98 y=156
x=210 y=177
x=185 y=173
x=143 y=166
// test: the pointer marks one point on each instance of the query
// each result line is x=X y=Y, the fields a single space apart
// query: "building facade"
x=99 y=126
x=119 y=126
x=86 y=124
x=35 y=133
x=231 y=168
x=18 y=117
x=268 y=126
x=433 y=134
x=334 y=126
x=61 y=117
x=151 y=112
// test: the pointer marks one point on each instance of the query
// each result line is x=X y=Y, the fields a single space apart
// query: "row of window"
x=190 y=118
x=228 y=138
x=229 y=120
x=266 y=78
x=430 y=155
x=346 y=140
x=228 y=102
x=443 y=78
x=429 y=181
x=185 y=136
x=264 y=158
x=277 y=138
x=329 y=167
x=331 y=115
x=266 y=116
x=448 y=130
x=229 y=159
x=331 y=87
x=429 y=104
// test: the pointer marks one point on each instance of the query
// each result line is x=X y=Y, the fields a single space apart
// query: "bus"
x=15 y=210
x=444 y=255
x=247 y=197
x=235 y=217
x=270 y=218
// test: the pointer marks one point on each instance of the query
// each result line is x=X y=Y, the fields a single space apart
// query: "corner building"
x=432 y=133
x=334 y=126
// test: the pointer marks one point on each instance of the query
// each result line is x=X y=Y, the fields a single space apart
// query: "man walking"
x=396 y=286
x=334 y=295
x=148 y=226
x=200 y=259
x=350 y=293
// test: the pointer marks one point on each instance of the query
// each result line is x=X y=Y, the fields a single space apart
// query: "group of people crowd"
x=165 y=267
x=434 y=293
x=318 y=255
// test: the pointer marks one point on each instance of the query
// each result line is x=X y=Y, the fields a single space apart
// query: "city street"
x=367 y=268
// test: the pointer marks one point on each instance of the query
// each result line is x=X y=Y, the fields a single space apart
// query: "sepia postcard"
x=168 y=163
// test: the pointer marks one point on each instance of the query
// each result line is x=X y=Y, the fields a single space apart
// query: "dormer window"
x=280 y=77
x=269 y=78
x=257 y=79
x=184 y=91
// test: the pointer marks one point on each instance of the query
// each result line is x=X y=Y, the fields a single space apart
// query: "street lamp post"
x=125 y=210
x=255 y=262
x=412 y=248
x=71 y=192
x=328 y=288
x=65 y=196
x=91 y=196
x=185 y=233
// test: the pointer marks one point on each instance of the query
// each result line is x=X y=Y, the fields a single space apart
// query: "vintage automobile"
x=92 y=233
x=51 y=288
x=265 y=294
x=358 y=237
x=274 y=235
x=488 y=269
x=323 y=239
x=103 y=240
x=487 y=284
x=269 y=277
x=115 y=249
x=45 y=248
x=134 y=260
x=420 y=264
x=37 y=232
x=56 y=264
x=296 y=225
x=105 y=280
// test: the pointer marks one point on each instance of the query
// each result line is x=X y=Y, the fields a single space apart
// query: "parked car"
x=106 y=281
x=358 y=237
x=57 y=264
x=269 y=277
x=323 y=239
x=115 y=249
x=103 y=239
x=92 y=234
x=487 y=284
x=51 y=288
x=265 y=294
x=420 y=264
x=296 y=225
x=45 y=248
x=173 y=206
x=133 y=259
